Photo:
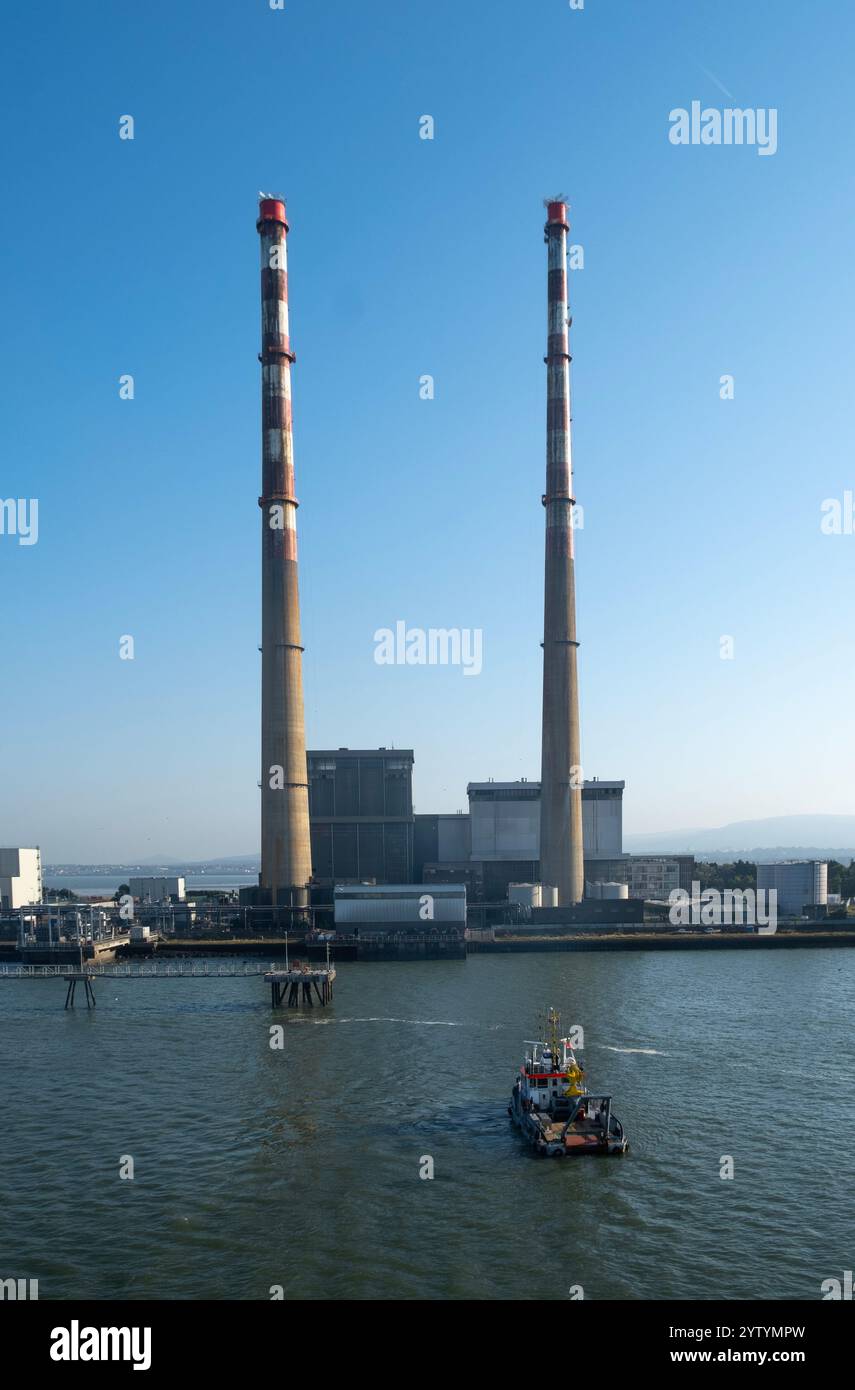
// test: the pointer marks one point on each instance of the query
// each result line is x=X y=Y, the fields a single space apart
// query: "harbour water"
x=300 y=1167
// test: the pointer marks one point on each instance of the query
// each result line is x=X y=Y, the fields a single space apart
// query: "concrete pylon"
x=561 y=853
x=286 y=856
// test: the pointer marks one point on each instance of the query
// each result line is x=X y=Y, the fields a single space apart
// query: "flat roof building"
x=157 y=889
x=799 y=884
x=505 y=819
x=20 y=878
x=411 y=907
x=361 y=814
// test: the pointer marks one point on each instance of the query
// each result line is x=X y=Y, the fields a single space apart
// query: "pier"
x=73 y=981
x=295 y=982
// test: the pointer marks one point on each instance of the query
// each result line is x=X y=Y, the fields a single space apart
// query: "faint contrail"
x=712 y=77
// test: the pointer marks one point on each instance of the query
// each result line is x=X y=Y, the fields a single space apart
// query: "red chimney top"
x=272 y=210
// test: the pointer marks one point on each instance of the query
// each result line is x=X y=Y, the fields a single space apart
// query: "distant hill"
x=778 y=837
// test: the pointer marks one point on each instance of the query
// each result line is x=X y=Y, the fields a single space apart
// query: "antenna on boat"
x=553 y=1019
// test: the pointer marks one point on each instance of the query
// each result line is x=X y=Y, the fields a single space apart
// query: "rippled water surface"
x=256 y=1167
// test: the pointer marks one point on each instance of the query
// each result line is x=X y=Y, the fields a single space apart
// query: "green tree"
x=742 y=873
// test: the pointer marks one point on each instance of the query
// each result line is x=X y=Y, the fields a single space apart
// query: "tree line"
x=742 y=873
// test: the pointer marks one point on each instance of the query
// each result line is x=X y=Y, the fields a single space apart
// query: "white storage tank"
x=525 y=894
x=606 y=890
x=548 y=895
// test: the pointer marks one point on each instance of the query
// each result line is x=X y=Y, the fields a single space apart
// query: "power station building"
x=498 y=842
x=364 y=829
x=361 y=816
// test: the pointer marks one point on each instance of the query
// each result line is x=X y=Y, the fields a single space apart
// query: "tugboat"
x=553 y=1107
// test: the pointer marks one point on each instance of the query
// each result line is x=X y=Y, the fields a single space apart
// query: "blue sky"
x=406 y=256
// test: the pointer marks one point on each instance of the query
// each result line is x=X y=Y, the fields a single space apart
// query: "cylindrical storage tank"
x=526 y=894
x=614 y=890
x=548 y=895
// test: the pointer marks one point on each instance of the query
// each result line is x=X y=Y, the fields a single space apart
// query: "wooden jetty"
x=297 y=982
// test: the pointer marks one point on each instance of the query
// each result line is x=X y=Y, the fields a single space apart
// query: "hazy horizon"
x=822 y=828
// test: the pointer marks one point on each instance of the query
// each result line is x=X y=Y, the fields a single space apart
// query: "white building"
x=799 y=884
x=20 y=877
x=400 y=906
x=154 y=890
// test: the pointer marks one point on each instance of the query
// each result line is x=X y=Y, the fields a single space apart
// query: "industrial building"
x=361 y=814
x=799 y=884
x=20 y=878
x=157 y=889
x=400 y=907
x=364 y=829
x=649 y=876
x=505 y=819
x=498 y=842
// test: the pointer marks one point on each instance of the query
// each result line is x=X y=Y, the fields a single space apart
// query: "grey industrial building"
x=364 y=830
x=361 y=815
x=157 y=889
x=498 y=842
x=799 y=884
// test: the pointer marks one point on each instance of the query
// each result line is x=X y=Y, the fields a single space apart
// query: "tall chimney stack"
x=561 y=857
x=286 y=859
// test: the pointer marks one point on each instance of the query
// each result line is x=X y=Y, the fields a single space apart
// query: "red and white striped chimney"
x=561 y=850
x=286 y=860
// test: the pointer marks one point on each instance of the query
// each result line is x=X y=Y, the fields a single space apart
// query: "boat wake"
x=645 y=1051
x=417 y=1022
